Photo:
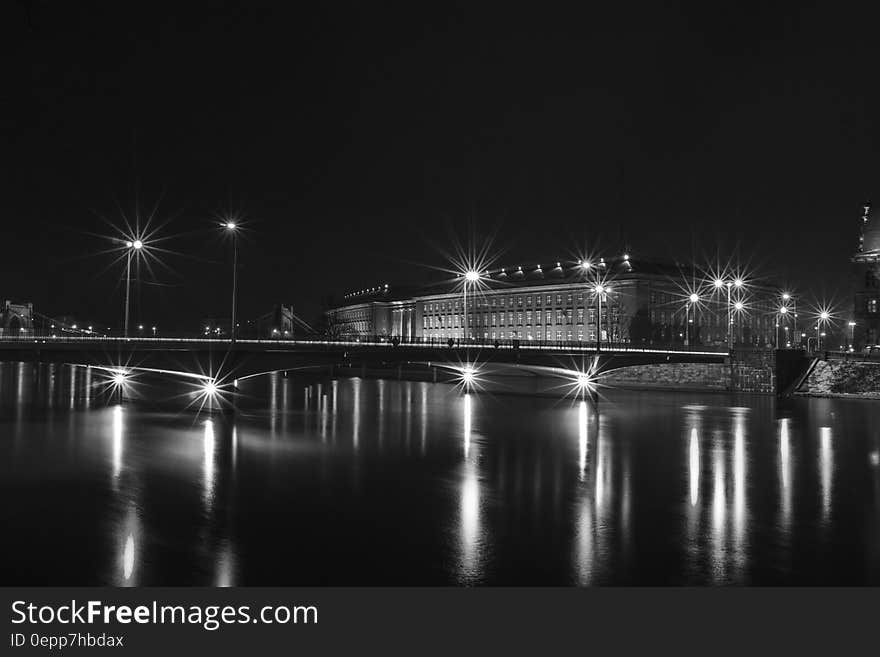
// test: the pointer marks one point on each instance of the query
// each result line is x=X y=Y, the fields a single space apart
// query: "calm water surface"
x=385 y=482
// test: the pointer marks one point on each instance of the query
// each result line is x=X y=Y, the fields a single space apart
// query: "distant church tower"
x=866 y=282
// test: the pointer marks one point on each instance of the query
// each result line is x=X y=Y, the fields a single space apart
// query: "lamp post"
x=739 y=306
x=823 y=317
x=585 y=267
x=852 y=335
x=600 y=291
x=133 y=247
x=783 y=311
x=232 y=228
x=470 y=276
x=692 y=299
x=786 y=297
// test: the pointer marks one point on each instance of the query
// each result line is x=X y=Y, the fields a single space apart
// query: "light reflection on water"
x=352 y=481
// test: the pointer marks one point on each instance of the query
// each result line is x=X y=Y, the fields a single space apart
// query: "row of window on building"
x=506 y=301
x=570 y=335
x=519 y=318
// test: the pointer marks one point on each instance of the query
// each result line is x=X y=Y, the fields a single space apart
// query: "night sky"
x=362 y=143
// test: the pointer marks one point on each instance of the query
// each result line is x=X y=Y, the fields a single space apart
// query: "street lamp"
x=738 y=306
x=232 y=228
x=786 y=297
x=852 y=335
x=133 y=247
x=471 y=277
x=600 y=291
x=824 y=316
x=692 y=299
x=783 y=311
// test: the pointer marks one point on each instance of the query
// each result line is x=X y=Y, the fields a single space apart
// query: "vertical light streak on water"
x=602 y=473
x=585 y=541
x=740 y=507
x=356 y=418
x=424 y=417
x=333 y=407
x=826 y=466
x=285 y=403
x=323 y=416
x=118 y=429
x=316 y=401
x=129 y=535
x=583 y=433
x=467 y=424
x=626 y=500
x=19 y=386
x=470 y=562
x=234 y=446
x=408 y=413
x=208 y=445
x=51 y=392
x=225 y=566
x=273 y=403
x=88 y=387
x=694 y=461
x=381 y=436
x=719 y=517
x=785 y=473
x=72 y=386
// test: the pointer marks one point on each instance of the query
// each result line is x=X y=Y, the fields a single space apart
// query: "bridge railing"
x=372 y=341
x=870 y=355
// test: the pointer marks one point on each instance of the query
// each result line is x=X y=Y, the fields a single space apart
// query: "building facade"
x=16 y=319
x=623 y=300
x=866 y=284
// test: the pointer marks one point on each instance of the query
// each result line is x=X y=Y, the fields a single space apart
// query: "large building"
x=625 y=299
x=866 y=283
x=16 y=319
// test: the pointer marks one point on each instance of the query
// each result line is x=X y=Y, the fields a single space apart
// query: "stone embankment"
x=842 y=378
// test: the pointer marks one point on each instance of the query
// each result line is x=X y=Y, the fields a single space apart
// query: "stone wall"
x=842 y=377
x=763 y=371
x=753 y=370
x=691 y=376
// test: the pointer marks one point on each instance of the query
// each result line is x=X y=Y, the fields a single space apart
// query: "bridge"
x=222 y=361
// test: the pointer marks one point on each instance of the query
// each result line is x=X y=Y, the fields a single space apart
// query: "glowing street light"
x=692 y=299
x=601 y=292
x=232 y=229
x=786 y=297
x=822 y=318
x=852 y=335
x=133 y=247
x=780 y=315
x=719 y=284
x=471 y=276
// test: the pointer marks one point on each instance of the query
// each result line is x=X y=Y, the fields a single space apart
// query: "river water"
x=349 y=482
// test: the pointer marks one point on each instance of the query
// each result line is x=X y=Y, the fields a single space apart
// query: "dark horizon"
x=361 y=144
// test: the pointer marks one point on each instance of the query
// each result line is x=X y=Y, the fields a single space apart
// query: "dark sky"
x=360 y=143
